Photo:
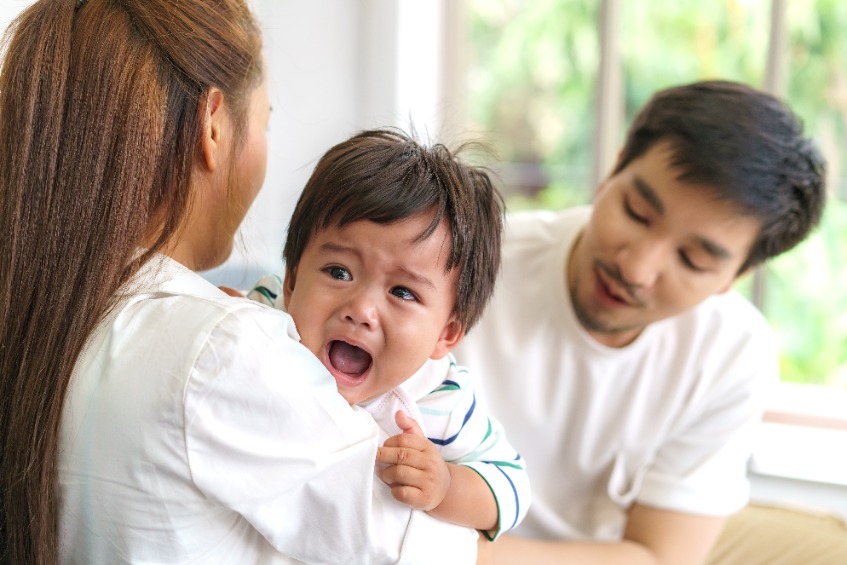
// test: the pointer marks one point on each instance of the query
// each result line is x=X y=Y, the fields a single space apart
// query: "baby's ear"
x=450 y=337
x=288 y=285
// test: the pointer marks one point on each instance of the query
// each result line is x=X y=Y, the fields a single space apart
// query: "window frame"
x=784 y=410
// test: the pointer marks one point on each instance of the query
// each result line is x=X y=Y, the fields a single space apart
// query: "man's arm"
x=652 y=537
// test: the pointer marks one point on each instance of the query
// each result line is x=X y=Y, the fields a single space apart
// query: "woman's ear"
x=288 y=285
x=450 y=337
x=215 y=122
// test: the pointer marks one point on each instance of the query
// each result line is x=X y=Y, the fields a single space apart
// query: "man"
x=625 y=370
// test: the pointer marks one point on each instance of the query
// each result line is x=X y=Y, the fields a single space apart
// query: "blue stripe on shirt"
x=452 y=438
x=515 y=492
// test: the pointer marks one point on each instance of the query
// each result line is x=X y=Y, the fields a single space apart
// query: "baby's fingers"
x=399 y=456
x=412 y=496
x=413 y=487
x=403 y=475
x=408 y=441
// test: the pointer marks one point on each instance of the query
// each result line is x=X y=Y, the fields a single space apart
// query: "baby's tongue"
x=349 y=358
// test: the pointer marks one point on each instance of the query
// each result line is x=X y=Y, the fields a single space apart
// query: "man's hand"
x=415 y=471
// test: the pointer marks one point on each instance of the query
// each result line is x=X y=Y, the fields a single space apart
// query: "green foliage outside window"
x=533 y=73
x=532 y=86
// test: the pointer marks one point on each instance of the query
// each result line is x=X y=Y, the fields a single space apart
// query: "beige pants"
x=764 y=535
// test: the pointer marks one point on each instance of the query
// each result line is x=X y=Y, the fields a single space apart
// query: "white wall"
x=335 y=67
x=311 y=54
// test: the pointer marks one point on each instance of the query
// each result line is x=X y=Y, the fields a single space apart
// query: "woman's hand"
x=231 y=291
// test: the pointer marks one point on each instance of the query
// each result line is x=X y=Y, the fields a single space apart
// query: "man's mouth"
x=613 y=287
x=348 y=361
x=609 y=292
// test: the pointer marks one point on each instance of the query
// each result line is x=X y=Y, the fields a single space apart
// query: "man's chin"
x=605 y=331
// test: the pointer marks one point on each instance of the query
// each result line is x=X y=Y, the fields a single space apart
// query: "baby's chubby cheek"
x=315 y=348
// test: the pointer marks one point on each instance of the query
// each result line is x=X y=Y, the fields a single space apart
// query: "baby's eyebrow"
x=338 y=248
x=331 y=247
x=420 y=279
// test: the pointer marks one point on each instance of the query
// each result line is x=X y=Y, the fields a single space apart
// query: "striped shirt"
x=440 y=397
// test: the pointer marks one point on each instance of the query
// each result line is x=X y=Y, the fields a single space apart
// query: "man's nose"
x=642 y=262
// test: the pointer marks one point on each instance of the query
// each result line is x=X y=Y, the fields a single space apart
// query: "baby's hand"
x=415 y=471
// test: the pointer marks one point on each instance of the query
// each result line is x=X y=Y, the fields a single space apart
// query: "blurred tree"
x=532 y=80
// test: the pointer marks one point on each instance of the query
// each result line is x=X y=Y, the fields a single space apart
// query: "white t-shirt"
x=197 y=430
x=666 y=421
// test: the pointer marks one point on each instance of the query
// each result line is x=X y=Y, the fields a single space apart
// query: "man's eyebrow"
x=647 y=192
x=713 y=249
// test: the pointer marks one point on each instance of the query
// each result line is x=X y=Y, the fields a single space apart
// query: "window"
x=806 y=291
x=533 y=67
x=533 y=71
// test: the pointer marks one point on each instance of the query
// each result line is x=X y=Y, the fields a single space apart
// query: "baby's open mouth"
x=349 y=359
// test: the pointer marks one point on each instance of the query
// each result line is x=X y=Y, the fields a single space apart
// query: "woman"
x=146 y=415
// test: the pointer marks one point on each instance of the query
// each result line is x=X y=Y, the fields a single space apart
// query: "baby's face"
x=374 y=304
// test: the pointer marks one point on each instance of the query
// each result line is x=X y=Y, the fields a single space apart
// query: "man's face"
x=374 y=303
x=654 y=247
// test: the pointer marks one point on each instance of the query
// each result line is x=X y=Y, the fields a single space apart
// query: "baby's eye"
x=403 y=293
x=339 y=273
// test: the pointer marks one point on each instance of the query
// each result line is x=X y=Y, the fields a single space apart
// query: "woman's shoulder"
x=164 y=292
x=236 y=319
x=180 y=327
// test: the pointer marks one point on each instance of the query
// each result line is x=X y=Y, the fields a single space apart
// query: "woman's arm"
x=269 y=437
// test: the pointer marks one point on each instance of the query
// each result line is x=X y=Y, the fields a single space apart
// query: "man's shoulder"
x=541 y=223
x=732 y=311
x=725 y=322
x=530 y=232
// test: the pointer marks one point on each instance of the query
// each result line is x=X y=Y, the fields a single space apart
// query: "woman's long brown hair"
x=100 y=117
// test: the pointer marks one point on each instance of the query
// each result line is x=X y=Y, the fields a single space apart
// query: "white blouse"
x=196 y=429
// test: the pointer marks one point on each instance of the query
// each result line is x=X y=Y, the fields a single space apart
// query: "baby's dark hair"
x=386 y=176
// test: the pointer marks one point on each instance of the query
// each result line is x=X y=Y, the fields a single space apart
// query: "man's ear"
x=450 y=337
x=214 y=126
x=288 y=285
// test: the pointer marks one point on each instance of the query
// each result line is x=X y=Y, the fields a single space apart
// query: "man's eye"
x=339 y=273
x=403 y=293
x=686 y=260
x=632 y=213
